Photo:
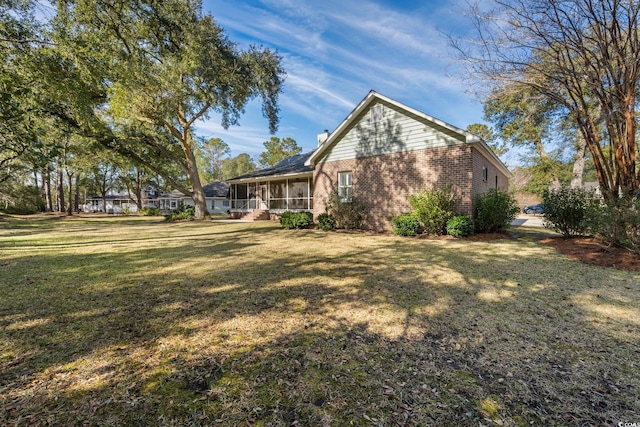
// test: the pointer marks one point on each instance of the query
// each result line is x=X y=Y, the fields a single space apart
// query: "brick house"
x=385 y=151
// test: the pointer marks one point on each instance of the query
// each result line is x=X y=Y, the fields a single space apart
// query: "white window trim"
x=345 y=185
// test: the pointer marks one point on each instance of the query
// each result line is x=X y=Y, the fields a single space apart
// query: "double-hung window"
x=345 y=186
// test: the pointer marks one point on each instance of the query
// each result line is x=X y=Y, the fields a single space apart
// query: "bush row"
x=183 y=213
x=150 y=212
x=433 y=213
x=296 y=220
x=341 y=213
x=576 y=212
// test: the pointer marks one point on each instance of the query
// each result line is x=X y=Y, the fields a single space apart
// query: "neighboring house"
x=216 y=195
x=381 y=153
x=120 y=201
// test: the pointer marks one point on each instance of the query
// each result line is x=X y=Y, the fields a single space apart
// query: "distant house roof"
x=213 y=189
x=174 y=194
x=113 y=194
x=293 y=165
x=216 y=189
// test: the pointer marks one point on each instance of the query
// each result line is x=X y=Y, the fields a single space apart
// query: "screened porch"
x=276 y=196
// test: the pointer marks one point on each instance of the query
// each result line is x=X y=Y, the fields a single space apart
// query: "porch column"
x=308 y=194
x=287 y=194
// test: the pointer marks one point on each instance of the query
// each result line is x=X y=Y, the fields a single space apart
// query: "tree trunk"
x=139 y=189
x=47 y=189
x=197 y=191
x=578 y=164
x=70 y=179
x=60 y=188
x=76 y=200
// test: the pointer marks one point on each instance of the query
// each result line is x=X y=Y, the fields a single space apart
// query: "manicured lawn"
x=133 y=321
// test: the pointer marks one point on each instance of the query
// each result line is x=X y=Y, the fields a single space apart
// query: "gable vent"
x=376 y=112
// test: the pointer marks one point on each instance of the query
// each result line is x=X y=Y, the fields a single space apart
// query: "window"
x=345 y=186
x=376 y=113
x=173 y=204
x=225 y=203
x=485 y=174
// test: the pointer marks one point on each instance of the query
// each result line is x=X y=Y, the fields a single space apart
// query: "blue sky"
x=335 y=52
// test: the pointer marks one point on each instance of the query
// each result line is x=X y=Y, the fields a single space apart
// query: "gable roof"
x=294 y=165
x=213 y=189
x=173 y=194
x=373 y=96
x=216 y=189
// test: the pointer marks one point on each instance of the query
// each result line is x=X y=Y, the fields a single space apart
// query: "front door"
x=264 y=196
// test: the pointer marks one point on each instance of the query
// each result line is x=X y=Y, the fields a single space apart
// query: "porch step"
x=257 y=215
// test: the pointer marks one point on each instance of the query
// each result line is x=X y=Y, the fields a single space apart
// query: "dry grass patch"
x=119 y=321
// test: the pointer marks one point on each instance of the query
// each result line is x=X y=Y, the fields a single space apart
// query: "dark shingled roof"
x=216 y=189
x=290 y=165
x=213 y=189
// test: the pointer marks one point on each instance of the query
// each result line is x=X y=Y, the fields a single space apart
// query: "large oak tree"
x=164 y=66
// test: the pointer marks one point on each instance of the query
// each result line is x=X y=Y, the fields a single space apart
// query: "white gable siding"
x=397 y=132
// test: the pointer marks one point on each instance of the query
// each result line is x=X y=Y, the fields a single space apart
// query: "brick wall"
x=384 y=183
x=479 y=184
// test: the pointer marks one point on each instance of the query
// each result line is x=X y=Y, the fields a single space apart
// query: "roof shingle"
x=288 y=166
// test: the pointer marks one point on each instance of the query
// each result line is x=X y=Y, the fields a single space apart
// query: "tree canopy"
x=236 y=166
x=277 y=150
x=168 y=66
x=580 y=55
x=498 y=146
x=211 y=153
x=134 y=76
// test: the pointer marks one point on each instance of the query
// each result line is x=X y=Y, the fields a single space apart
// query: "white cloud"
x=336 y=51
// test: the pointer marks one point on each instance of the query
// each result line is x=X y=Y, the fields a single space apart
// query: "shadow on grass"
x=150 y=234
x=265 y=325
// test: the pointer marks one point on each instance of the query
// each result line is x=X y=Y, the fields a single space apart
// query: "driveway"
x=528 y=221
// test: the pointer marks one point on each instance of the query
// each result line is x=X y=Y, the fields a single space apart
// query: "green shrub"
x=495 y=210
x=296 y=220
x=21 y=199
x=460 y=226
x=347 y=214
x=406 y=225
x=149 y=211
x=617 y=222
x=567 y=210
x=433 y=208
x=182 y=213
x=326 y=222
x=20 y=209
